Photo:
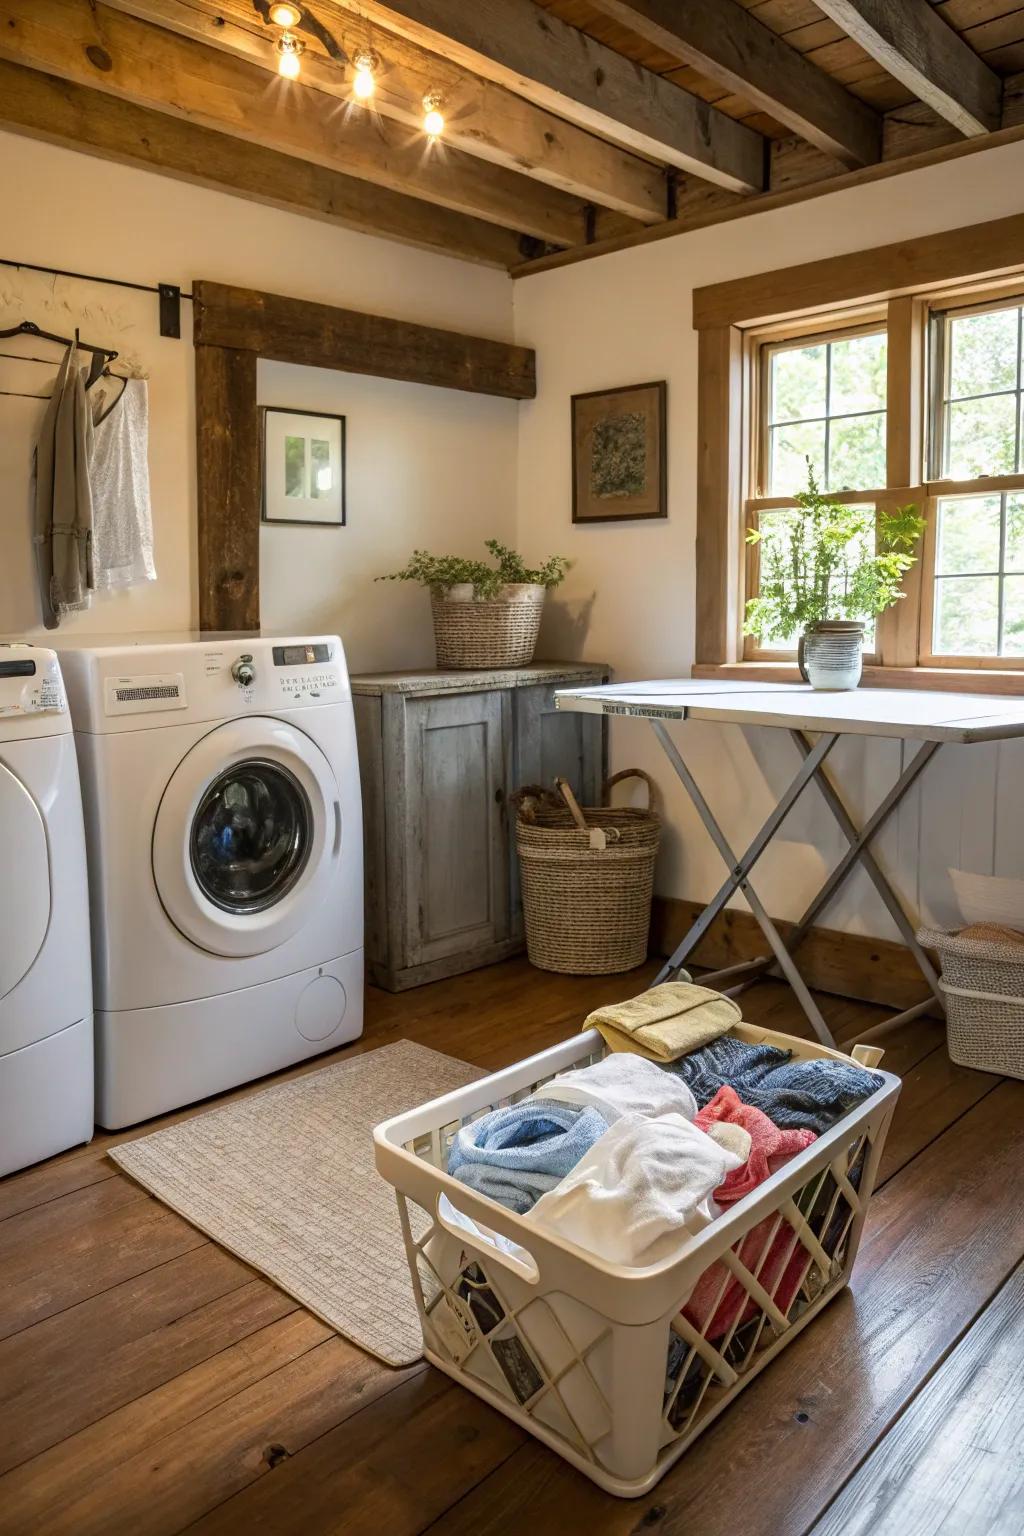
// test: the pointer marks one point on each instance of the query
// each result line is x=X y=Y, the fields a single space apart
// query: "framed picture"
x=303 y=467
x=618 y=454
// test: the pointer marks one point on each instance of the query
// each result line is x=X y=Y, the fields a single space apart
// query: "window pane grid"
x=845 y=455
x=971 y=611
x=984 y=366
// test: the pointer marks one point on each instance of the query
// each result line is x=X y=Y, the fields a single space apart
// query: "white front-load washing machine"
x=223 y=821
x=46 y=1058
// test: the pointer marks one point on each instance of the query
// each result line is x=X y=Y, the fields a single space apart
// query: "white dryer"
x=46 y=1058
x=223 y=820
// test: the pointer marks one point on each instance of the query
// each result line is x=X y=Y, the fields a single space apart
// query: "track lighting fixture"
x=433 y=118
x=364 y=82
x=289 y=51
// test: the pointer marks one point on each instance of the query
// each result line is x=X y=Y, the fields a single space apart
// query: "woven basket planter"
x=502 y=632
x=983 y=985
x=587 y=910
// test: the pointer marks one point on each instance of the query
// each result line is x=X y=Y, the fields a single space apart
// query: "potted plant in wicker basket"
x=827 y=568
x=484 y=615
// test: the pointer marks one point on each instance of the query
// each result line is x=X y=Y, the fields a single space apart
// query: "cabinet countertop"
x=429 y=680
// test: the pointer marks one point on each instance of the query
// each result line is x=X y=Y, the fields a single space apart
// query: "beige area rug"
x=285 y=1180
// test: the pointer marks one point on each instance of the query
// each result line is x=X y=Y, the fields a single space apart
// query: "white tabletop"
x=917 y=714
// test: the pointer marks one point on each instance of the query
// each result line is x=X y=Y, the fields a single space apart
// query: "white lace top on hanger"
x=122 y=535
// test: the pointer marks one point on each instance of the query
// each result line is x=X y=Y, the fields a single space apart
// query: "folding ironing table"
x=815 y=722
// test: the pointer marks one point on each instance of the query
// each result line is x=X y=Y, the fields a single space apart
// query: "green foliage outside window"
x=829 y=560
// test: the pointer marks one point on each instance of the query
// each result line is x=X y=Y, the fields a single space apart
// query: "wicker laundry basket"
x=587 y=908
x=498 y=633
x=983 y=984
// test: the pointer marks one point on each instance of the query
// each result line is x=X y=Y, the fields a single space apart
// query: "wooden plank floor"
x=151 y=1384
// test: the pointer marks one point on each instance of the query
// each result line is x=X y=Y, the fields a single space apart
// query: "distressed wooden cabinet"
x=439 y=755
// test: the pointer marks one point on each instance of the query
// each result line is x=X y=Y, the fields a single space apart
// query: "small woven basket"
x=498 y=633
x=983 y=984
x=587 y=909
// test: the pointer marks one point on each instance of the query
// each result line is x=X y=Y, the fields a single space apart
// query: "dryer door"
x=25 y=890
x=247 y=837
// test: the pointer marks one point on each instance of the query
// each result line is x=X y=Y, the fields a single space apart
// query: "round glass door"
x=251 y=836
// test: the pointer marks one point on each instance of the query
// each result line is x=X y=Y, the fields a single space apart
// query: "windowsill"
x=942 y=679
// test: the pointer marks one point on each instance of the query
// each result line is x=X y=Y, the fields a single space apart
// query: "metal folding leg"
x=857 y=852
x=740 y=869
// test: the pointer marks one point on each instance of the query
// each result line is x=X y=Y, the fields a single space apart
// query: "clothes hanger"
x=101 y=356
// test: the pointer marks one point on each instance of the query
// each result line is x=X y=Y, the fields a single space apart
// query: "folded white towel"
x=640 y=1190
x=623 y=1084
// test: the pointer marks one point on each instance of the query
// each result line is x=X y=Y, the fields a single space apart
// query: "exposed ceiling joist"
x=516 y=44
x=93 y=45
x=42 y=107
x=481 y=118
x=731 y=46
x=910 y=40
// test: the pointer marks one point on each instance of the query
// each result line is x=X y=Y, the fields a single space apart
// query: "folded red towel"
x=781 y=1270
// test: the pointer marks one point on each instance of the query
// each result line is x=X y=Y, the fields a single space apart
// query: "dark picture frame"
x=619 y=454
x=293 y=464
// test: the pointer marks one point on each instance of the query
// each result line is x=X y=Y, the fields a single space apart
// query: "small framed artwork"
x=618 y=454
x=303 y=467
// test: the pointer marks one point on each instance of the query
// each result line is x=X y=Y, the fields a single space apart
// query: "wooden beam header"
x=910 y=39
x=297 y=331
x=733 y=47
x=995 y=249
x=533 y=53
x=75 y=117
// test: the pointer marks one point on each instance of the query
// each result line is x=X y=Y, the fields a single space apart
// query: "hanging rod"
x=170 y=294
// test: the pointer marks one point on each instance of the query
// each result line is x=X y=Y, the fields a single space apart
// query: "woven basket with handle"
x=983 y=986
x=587 y=879
x=498 y=633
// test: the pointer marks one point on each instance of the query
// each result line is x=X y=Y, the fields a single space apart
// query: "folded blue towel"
x=810 y=1095
x=517 y=1154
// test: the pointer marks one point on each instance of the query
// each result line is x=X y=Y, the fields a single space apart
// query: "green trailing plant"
x=509 y=569
x=826 y=560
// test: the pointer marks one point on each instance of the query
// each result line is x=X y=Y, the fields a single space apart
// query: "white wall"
x=626 y=318
x=427 y=466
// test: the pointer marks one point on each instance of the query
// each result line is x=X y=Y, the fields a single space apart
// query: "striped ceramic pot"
x=830 y=654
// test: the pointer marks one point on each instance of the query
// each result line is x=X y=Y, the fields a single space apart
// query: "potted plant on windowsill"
x=485 y=616
x=826 y=570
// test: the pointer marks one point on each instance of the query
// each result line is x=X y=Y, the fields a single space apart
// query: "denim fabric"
x=810 y=1095
x=517 y=1154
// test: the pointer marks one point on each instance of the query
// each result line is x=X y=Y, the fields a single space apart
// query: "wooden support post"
x=228 y=488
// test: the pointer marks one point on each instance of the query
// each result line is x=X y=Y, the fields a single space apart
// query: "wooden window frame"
x=975 y=268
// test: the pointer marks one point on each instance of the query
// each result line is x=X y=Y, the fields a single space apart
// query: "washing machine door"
x=247 y=837
x=24 y=900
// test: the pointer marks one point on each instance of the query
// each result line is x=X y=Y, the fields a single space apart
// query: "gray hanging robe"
x=62 y=531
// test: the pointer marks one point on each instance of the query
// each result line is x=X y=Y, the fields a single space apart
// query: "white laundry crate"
x=596 y=1359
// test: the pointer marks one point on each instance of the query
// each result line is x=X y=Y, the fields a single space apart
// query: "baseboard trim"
x=847 y=964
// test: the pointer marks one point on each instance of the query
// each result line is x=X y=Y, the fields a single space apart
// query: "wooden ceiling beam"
x=531 y=52
x=912 y=42
x=731 y=46
x=75 y=117
x=93 y=45
x=482 y=119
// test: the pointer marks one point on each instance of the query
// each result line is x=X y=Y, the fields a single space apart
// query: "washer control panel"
x=306 y=672
x=30 y=682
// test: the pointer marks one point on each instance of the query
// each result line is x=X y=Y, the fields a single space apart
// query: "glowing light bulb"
x=285 y=15
x=364 y=82
x=288 y=50
x=433 y=118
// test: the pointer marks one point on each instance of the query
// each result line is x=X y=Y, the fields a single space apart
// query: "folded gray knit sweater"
x=811 y=1095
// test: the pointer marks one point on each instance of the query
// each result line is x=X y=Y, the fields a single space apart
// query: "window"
x=824 y=404
x=825 y=396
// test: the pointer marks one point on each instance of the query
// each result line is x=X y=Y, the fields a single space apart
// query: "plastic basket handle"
x=521 y=1263
x=628 y=773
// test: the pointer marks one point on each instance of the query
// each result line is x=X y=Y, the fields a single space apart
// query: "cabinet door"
x=457 y=861
x=551 y=743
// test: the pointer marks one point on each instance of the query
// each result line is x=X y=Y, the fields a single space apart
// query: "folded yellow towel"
x=667 y=1021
